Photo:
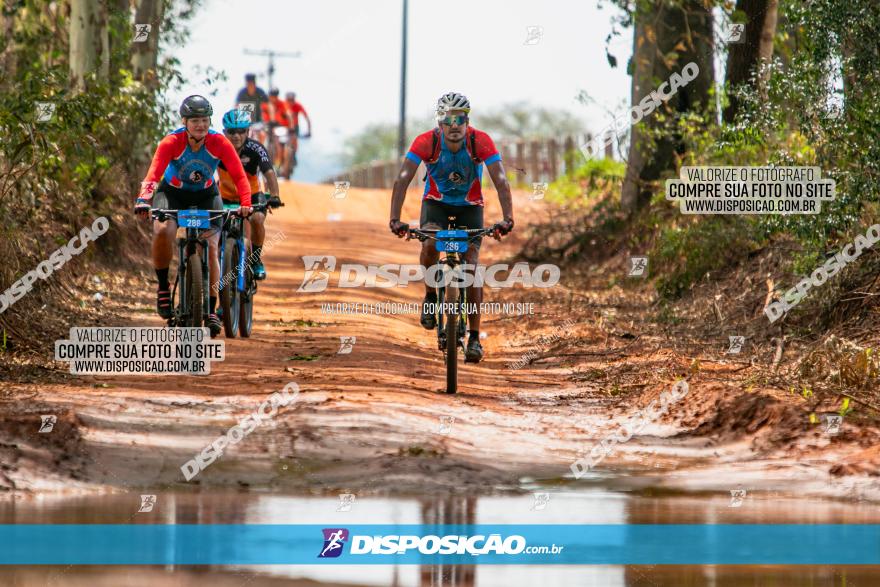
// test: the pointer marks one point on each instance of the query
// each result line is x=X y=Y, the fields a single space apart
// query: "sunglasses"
x=235 y=131
x=457 y=120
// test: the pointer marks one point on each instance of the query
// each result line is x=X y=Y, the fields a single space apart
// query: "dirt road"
x=376 y=420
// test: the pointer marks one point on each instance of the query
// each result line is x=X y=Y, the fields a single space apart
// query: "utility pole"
x=401 y=125
x=271 y=55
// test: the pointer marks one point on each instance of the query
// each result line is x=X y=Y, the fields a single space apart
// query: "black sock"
x=257 y=252
x=162 y=276
x=474 y=334
x=212 y=303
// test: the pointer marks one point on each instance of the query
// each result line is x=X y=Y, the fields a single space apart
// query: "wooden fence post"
x=534 y=168
x=568 y=154
x=520 y=160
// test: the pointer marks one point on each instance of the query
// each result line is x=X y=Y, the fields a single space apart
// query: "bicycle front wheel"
x=229 y=298
x=451 y=340
x=195 y=290
x=246 y=304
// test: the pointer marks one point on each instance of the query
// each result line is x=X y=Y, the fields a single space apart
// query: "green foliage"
x=376 y=142
x=686 y=253
x=84 y=162
x=588 y=180
x=799 y=119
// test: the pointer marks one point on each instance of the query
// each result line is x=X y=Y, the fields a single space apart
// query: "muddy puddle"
x=542 y=505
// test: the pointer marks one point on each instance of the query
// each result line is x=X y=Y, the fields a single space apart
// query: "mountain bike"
x=277 y=138
x=192 y=264
x=237 y=285
x=451 y=310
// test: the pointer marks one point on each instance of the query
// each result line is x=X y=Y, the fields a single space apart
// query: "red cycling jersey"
x=194 y=170
x=280 y=107
x=295 y=108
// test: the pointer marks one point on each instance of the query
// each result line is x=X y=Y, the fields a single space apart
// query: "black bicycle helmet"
x=195 y=107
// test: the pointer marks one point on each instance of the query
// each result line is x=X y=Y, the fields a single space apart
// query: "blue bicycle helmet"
x=237 y=119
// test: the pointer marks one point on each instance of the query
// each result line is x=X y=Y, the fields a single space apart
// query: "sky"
x=348 y=74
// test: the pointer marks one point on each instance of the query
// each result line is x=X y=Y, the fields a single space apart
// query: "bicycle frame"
x=188 y=238
x=450 y=262
x=233 y=228
x=452 y=243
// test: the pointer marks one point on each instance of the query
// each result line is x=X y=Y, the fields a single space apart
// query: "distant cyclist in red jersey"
x=294 y=108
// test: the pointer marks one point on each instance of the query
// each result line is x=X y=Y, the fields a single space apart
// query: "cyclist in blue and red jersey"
x=454 y=155
x=182 y=175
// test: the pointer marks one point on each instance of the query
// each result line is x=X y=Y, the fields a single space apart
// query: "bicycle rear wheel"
x=246 y=298
x=451 y=340
x=195 y=291
x=229 y=298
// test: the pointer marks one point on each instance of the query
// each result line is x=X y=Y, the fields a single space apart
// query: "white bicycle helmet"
x=453 y=101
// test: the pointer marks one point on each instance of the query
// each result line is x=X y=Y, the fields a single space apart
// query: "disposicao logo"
x=334 y=540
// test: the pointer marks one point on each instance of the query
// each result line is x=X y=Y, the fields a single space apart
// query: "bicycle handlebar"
x=431 y=233
x=160 y=214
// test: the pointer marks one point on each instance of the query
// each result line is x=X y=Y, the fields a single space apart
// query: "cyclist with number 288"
x=185 y=162
x=453 y=154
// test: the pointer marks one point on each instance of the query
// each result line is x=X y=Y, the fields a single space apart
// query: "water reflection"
x=594 y=506
x=448 y=510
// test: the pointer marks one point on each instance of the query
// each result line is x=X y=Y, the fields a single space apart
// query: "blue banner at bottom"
x=248 y=544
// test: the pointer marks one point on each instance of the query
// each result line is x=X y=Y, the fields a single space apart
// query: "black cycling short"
x=438 y=213
x=168 y=197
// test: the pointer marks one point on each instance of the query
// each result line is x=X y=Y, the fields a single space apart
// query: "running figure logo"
x=737 y=33
x=334 y=540
x=534 y=35
x=142 y=31
x=346 y=500
x=318 y=268
x=45 y=111
x=541 y=501
x=147 y=503
x=737 y=496
x=340 y=189
x=637 y=266
x=736 y=344
x=538 y=190
x=47 y=423
x=833 y=423
x=346 y=344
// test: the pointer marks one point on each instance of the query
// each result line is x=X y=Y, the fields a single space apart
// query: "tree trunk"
x=8 y=61
x=743 y=59
x=119 y=50
x=666 y=39
x=88 y=41
x=145 y=55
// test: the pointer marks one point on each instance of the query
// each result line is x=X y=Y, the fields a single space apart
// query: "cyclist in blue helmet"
x=255 y=160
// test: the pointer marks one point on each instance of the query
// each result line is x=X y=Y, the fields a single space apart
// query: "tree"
x=522 y=120
x=145 y=55
x=745 y=59
x=89 y=43
x=668 y=35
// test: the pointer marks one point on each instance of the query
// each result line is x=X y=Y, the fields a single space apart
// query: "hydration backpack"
x=470 y=144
